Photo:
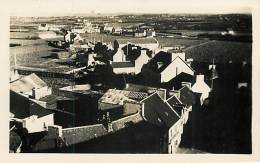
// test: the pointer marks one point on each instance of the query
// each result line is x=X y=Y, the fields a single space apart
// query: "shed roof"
x=27 y=83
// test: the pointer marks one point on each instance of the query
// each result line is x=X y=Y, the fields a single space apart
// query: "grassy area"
x=163 y=41
x=221 y=51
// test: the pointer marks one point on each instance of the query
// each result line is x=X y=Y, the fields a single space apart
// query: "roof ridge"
x=175 y=97
x=184 y=62
x=172 y=109
x=149 y=96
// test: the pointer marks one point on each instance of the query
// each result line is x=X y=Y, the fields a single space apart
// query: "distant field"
x=38 y=56
x=24 y=42
x=22 y=35
x=164 y=42
x=105 y=37
x=221 y=51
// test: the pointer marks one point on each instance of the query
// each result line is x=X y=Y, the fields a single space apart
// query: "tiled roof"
x=160 y=108
x=186 y=96
x=176 y=82
x=122 y=64
x=137 y=41
x=177 y=109
x=137 y=95
x=27 y=83
x=117 y=97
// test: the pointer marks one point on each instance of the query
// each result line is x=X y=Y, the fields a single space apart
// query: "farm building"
x=149 y=43
x=31 y=115
x=31 y=86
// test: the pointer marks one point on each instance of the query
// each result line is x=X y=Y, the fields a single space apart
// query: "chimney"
x=143 y=52
x=188 y=84
x=189 y=61
x=34 y=93
x=200 y=78
x=175 y=93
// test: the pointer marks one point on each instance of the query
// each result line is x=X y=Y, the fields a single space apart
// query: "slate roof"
x=27 y=83
x=187 y=97
x=162 y=57
x=160 y=108
x=174 y=101
x=177 y=80
x=137 y=41
x=122 y=64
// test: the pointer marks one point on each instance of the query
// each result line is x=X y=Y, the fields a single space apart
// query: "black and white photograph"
x=130 y=79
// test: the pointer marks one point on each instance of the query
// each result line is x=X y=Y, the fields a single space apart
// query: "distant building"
x=14 y=75
x=50 y=27
x=47 y=35
x=31 y=86
x=149 y=43
x=43 y=27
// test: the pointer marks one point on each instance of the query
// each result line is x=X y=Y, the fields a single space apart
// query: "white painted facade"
x=38 y=93
x=91 y=59
x=176 y=67
x=124 y=70
x=201 y=87
x=35 y=124
x=174 y=136
x=43 y=27
x=140 y=61
x=178 y=54
x=47 y=35
x=78 y=30
x=119 y=56
x=14 y=75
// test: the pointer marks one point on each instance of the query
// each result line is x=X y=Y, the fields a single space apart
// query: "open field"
x=221 y=51
x=164 y=42
x=37 y=55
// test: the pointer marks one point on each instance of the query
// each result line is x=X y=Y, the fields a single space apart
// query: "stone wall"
x=84 y=133
x=122 y=123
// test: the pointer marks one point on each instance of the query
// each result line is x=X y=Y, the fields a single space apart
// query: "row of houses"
x=168 y=110
x=126 y=29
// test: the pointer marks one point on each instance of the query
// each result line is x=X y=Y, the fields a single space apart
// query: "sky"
x=68 y=7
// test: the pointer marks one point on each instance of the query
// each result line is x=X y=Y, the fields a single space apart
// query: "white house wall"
x=174 y=136
x=140 y=61
x=34 y=124
x=125 y=70
x=119 y=56
x=175 y=68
